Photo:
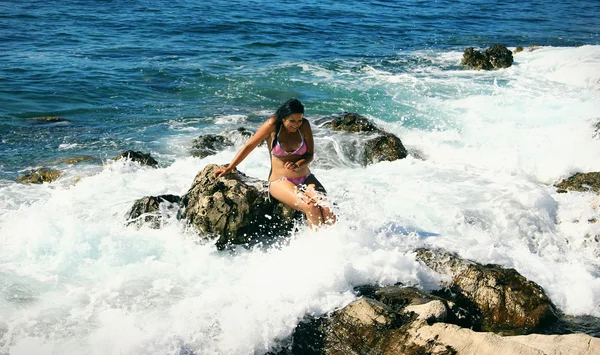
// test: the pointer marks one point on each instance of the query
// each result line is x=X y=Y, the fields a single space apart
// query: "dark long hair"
x=290 y=107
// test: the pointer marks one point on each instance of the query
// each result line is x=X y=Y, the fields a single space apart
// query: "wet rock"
x=405 y=320
x=519 y=49
x=495 y=57
x=383 y=146
x=500 y=56
x=153 y=210
x=234 y=209
x=209 y=144
x=386 y=147
x=39 y=176
x=368 y=326
x=75 y=159
x=475 y=59
x=139 y=157
x=47 y=120
x=352 y=122
x=580 y=182
x=505 y=300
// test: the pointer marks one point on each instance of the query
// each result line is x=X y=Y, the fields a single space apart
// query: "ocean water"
x=485 y=149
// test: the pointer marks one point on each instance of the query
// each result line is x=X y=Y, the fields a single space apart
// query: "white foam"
x=79 y=281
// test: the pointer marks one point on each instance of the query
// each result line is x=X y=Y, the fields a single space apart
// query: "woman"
x=290 y=143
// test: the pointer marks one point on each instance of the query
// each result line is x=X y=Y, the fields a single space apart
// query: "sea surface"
x=485 y=149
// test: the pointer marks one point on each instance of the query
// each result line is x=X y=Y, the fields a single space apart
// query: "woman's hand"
x=221 y=171
x=289 y=165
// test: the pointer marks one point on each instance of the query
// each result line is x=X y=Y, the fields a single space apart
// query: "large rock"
x=39 y=176
x=234 y=209
x=138 y=157
x=580 y=182
x=400 y=320
x=505 y=300
x=497 y=56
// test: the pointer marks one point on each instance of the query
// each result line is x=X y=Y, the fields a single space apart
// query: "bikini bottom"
x=294 y=180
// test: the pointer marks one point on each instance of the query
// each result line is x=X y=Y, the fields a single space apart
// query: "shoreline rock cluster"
x=406 y=320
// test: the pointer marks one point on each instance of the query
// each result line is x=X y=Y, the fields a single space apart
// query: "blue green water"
x=120 y=71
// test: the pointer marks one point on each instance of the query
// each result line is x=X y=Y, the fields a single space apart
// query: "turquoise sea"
x=485 y=149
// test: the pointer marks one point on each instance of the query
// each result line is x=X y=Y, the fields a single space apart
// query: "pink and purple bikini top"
x=278 y=150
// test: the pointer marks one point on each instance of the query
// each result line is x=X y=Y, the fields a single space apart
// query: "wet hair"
x=290 y=107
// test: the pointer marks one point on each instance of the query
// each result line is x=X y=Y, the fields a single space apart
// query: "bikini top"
x=278 y=150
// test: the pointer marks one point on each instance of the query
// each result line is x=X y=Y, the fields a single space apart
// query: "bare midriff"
x=279 y=171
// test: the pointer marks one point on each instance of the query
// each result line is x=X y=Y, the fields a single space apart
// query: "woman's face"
x=293 y=122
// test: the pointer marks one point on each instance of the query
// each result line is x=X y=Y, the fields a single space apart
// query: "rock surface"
x=495 y=57
x=139 y=157
x=148 y=211
x=209 y=144
x=383 y=146
x=386 y=147
x=234 y=209
x=39 y=176
x=580 y=182
x=506 y=301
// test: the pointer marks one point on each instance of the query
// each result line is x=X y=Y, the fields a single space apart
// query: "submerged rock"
x=352 y=122
x=139 y=157
x=383 y=146
x=209 y=144
x=47 y=119
x=386 y=147
x=234 y=209
x=580 y=182
x=503 y=299
x=148 y=211
x=39 y=176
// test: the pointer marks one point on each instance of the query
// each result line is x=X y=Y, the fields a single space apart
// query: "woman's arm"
x=263 y=133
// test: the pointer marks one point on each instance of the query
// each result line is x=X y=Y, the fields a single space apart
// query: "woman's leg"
x=287 y=193
x=316 y=191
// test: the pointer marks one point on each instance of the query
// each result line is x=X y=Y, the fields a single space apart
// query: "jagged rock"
x=234 y=209
x=209 y=144
x=495 y=57
x=403 y=320
x=519 y=49
x=152 y=210
x=39 y=176
x=506 y=300
x=139 y=157
x=352 y=122
x=368 y=326
x=500 y=56
x=476 y=59
x=580 y=182
x=386 y=147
